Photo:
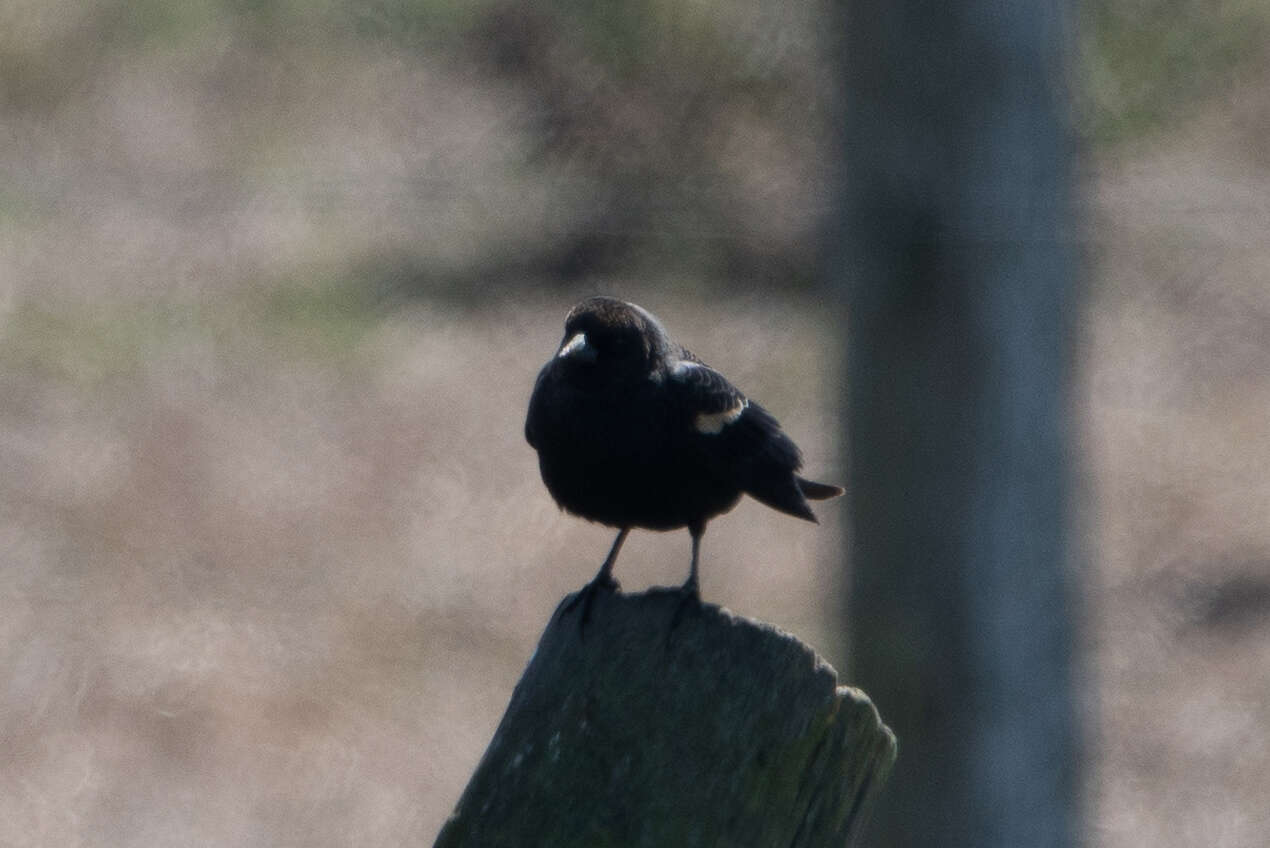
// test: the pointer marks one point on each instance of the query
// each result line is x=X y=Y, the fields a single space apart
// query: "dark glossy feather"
x=633 y=430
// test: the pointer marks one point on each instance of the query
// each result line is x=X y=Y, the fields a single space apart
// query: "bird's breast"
x=620 y=458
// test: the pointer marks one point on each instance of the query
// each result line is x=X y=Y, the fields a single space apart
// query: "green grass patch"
x=1143 y=65
x=80 y=344
x=323 y=318
x=86 y=344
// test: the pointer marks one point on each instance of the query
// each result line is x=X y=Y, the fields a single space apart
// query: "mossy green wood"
x=718 y=731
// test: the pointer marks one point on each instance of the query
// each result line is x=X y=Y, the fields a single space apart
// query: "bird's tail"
x=792 y=499
x=818 y=491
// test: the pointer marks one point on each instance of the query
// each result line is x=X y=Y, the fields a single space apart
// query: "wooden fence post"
x=718 y=731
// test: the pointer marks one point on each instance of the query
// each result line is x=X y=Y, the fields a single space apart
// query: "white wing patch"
x=713 y=423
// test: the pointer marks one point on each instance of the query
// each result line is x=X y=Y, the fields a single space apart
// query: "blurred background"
x=275 y=282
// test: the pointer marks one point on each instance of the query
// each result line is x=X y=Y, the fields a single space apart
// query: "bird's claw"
x=689 y=603
x=586 y=596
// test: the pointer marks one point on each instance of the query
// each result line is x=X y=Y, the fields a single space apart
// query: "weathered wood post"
x=716 y=731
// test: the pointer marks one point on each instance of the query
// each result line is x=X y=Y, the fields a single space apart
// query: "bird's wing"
x=731 y=432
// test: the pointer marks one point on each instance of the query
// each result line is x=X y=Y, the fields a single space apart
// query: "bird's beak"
x=577 y=349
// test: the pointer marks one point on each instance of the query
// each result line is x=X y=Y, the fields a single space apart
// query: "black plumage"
x=633 y=430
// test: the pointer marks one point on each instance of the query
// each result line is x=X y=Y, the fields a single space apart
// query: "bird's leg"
x=691 y=587
x=604 y=577
x=602 y=582
x=690 y=591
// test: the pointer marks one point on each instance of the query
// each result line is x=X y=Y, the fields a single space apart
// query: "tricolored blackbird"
x=632 y=430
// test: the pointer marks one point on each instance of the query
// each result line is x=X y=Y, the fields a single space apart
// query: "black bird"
x=632 y=430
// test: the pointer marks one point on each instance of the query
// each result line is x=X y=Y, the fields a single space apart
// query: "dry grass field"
x=273 y=550
x=1174 y=402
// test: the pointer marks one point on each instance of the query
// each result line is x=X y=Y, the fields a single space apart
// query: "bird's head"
x=610 y=339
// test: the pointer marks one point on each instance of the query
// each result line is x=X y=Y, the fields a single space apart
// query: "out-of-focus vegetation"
x=1144 y=66
x=549 y=142
x=653 y=138
x=275 y=279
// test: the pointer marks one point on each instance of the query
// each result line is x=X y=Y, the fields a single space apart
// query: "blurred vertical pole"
x=958 y=274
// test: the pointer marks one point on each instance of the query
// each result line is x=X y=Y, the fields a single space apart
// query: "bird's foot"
x=689 y=604
x=585 y=596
